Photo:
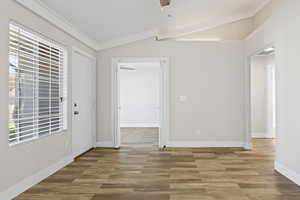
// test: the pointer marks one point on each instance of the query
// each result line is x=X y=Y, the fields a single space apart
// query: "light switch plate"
x=182 y=98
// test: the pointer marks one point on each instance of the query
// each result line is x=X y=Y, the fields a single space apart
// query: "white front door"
x=83 y=103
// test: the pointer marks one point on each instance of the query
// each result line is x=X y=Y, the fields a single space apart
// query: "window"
x=37 y=86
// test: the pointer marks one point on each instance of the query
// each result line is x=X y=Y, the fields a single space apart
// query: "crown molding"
x=127 y=40
x=175 y=33
x=259 y=8
x=259 y=28
x=50 y=15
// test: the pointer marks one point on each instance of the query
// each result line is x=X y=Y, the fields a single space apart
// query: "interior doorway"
x=140 y=101
x=263 y=94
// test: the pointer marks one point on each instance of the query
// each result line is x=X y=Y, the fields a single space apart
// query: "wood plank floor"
x=141 y=172
x=139 y=136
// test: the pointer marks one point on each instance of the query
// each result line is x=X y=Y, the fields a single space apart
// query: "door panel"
x=82 y=98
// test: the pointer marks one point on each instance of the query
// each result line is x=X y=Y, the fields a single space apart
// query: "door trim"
x=94 y=84
x=164 y=98
x=248 y=113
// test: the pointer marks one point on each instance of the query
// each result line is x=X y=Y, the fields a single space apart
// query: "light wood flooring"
x=139 y=136
x=142 y=172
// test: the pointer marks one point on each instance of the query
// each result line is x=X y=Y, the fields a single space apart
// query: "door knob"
x=76 y=113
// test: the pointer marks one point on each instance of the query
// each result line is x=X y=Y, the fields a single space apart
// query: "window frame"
x=65 y=87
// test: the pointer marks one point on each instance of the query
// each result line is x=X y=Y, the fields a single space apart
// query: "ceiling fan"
x=164 y=3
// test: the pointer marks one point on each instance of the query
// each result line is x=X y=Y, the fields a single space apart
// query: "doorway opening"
x=263 y=94
x=140 y=102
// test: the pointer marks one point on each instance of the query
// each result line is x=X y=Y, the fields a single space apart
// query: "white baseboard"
x=139 y=124
x=248 y=146
x=27 y=183
x=105 y=144
x=262 y=135
x=193 y=144
x=290 y=174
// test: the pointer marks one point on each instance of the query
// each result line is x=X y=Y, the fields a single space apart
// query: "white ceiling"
x=105 y=20
x=111 y=20
x=194 y=12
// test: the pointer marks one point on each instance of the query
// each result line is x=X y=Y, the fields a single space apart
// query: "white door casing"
x=164 y=99
x=248 y=130
x=271 y=102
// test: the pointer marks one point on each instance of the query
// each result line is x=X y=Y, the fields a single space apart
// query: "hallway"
x=143 y=172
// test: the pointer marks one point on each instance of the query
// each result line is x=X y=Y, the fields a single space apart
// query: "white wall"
x=262 y=96
x=209 y=74
x=259 y=96
x=22 y=161
x=139 y=95
x=283 y=30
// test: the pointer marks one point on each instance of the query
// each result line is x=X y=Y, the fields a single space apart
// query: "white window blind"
x=37 y=86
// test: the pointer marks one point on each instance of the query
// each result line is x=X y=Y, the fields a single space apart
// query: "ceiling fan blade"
x=164 y=3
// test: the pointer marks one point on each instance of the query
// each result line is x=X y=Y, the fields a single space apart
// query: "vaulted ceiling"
x=106 y=21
